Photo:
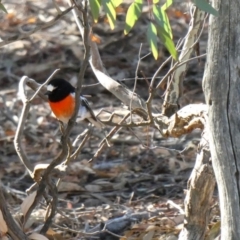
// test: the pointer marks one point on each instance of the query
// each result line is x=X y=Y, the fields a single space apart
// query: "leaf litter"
x=124 y=193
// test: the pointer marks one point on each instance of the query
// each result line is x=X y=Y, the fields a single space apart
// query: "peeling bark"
x=199 y=195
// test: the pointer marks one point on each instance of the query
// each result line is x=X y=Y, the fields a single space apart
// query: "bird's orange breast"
x=63 y=110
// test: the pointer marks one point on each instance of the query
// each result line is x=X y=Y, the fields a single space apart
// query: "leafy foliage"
x=109 y=8
x=159 y=26
x=152 y=39
x=164 y=30
x=95 y=8
x=133 y=14
x=3 y=8
x=205 y=6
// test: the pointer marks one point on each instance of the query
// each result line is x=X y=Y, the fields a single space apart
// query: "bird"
x=61 y=98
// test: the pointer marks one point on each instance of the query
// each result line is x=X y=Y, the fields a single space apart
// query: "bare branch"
x=136 y=78
x=120 y=91
x=174 y=90
x=199 y=193
x=86 y=137
x=14 y=230
x=44 y=84
x=57 y=7
x=66 y=145
x=19 y=132
x=104 y=143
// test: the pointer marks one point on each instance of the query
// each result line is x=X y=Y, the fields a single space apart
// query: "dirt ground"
x=141 y=172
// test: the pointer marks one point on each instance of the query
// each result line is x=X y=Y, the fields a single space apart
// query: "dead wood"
x=199 y=194
x=14 y=230
x=221 y=86
x=175 y=85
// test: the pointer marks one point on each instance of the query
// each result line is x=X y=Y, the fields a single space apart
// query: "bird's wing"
x=85 y=112
x=86 y=109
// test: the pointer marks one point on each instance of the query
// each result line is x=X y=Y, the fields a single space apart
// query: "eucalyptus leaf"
x=133 y=13
x=3 y=8
x=167 y=41
x=152 y=39
x=205 y=6
x=95 y=8
x=110 y=11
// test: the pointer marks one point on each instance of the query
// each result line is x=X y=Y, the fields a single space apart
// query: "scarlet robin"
x=61 y=98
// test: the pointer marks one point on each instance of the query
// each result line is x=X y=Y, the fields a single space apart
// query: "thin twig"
x=65 y=137
x=52 y=205
x=57 y=7
x=136 y=78
x=86 y=137
x=108 y=137
x=175 y=66
x=19 y=132
x=45 y=83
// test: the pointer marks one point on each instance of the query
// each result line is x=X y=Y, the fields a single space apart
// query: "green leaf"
x=116 y=3
x=110 y=11
x=205 y=6
x=152 y=39
x=162 y=19
x=133 y=14
x=95 y=8
x=167 y=4
x=167 y=41
x=3 y=8
x=155 y=1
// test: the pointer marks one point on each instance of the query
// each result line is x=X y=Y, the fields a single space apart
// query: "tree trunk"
x=222 y=92
x=199 y=194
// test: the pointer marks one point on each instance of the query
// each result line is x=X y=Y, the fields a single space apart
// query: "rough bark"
x=199 y=195
x=222 y=92
x=174 y=92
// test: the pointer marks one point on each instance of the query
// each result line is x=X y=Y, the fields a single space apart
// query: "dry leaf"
x=37 y=236
x=32 y=20
x=95 y=38
x=149 y=235
x=3 y=225
x=69 y=187
x=4 y=238
x=93 y=188
x=26 y=204
x=214 y=232
x=51 y=234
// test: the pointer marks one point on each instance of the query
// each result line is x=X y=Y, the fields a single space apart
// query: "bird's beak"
x=47 y=93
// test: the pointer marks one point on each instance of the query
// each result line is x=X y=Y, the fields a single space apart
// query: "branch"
x=14 y=230
x=104 y=143
x=66 y=148
x=200 y=189
x=120 y=91
x=174 y=90
x=184 y=121
x=19 y=132
x=26 y=107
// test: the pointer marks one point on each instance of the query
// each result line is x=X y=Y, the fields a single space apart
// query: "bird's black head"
x=58 y=89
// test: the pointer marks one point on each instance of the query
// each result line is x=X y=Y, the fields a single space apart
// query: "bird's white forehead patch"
x=50 y=88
